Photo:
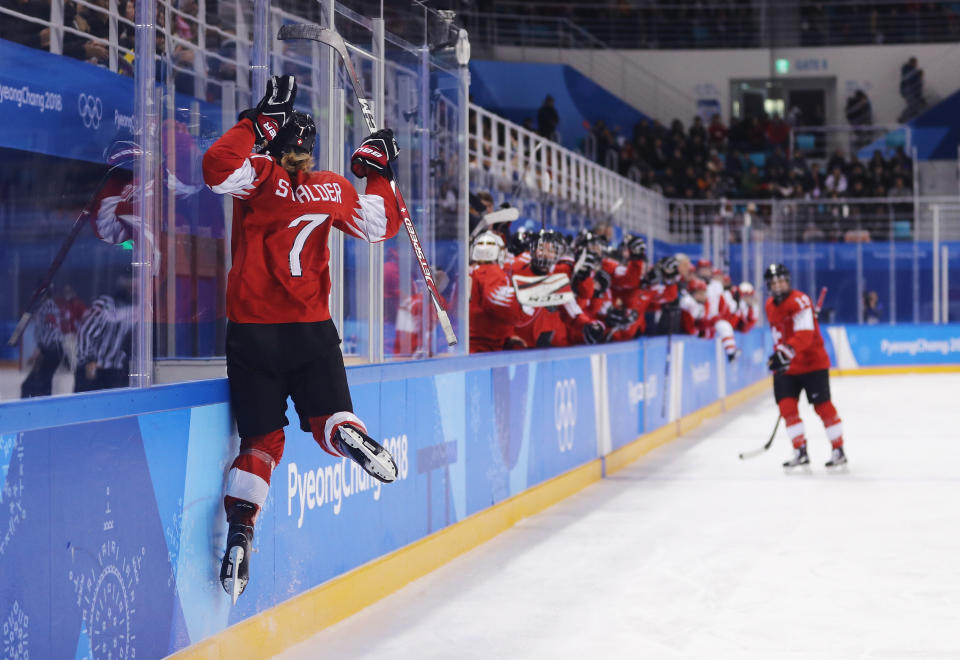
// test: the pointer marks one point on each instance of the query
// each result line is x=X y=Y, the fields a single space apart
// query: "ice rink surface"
x=693 y=553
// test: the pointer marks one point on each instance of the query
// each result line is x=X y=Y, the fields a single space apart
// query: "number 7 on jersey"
x=313 y=221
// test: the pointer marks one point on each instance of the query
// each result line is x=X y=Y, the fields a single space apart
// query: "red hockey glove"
x=779 y=361
x=375 y=153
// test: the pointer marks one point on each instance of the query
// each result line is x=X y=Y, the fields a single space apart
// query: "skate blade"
x=236 y=586
x=378 y=465
x=797 y=469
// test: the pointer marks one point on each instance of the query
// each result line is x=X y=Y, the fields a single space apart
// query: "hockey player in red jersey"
x=746 y=307
x=281 y=340
x=494 y=310
x=800 y=363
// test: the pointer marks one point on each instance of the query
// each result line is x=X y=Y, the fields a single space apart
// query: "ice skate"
x=837 y=458
x=733 y=355
x=800 y=458
x=367 y=452
x=235 y=569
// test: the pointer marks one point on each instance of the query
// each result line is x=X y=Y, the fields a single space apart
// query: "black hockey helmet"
x=519 y=241
x=773 y=272
x=298 y=135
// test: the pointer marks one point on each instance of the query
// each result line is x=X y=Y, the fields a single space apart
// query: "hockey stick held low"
x=335 y=41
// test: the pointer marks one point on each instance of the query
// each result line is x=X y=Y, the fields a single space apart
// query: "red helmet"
x=696 y=284
x=704 y=263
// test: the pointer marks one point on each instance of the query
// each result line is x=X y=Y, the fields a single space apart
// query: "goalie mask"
x=487 y=248
x=547 y=247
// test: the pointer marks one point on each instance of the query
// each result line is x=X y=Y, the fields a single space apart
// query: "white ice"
x=693 y=553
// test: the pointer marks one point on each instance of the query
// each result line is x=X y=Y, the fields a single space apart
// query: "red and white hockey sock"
x=325 y=426
x=831 y=423
x=791 y=416
x=727 y=340
x=249 y=478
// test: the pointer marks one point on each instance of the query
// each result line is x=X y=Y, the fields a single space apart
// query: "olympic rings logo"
x=565 y=412
x=90 y=108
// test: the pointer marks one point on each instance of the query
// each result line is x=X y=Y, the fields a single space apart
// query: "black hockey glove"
x=779 y=361
x=545 y=339
x=375 y=153
x=273 y=110
x=601 y=283
x=594 y=332
x=638 y=248
x=669 y=270
x=620 y=317
x=586 y=264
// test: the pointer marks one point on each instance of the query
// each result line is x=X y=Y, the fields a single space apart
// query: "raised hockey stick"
x=494 y=218
x=756 y=452
x=335 y=41
x=61 y=255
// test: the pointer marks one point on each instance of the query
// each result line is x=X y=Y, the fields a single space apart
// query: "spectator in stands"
x=899 y=190
x=21 y=31
x=858 y=110
x=836 y=160
x=778 y=132
x=836 y=183
x=871 y=308
x=911 y=89
x=697 y=129
x=548 y=119
x=717 y=132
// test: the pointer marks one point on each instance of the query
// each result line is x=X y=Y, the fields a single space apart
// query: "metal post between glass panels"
x=145 y=205
x=375 y=292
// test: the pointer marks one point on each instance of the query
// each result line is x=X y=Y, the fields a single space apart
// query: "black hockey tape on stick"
x=333 y=39
x=61 y=255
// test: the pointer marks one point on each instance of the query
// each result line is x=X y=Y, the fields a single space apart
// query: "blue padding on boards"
x=98 y=513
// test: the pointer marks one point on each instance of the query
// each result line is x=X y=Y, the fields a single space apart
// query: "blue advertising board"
x=112 y=528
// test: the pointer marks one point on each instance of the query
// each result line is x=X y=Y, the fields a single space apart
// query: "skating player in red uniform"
x=281 y=340
x=799 y=363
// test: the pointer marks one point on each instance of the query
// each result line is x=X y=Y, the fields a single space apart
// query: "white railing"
x=524 y=160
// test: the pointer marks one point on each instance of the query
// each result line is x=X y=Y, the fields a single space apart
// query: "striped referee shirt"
x=105 y=334
x=49 y=333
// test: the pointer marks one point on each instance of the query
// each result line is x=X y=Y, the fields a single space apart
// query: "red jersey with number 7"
x=281 y=226
x=794 y=323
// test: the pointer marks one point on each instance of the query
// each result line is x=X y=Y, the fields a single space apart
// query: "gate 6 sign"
x=565 y=412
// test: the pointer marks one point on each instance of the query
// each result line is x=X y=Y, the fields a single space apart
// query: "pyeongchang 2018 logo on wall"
x=565 y=412
x=90 y=108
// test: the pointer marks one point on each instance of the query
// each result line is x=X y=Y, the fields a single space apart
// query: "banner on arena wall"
x=853 y=346
x=656 y=384
x=627 y=394
x=123 y=518
x=699 y=388
x=64 y=107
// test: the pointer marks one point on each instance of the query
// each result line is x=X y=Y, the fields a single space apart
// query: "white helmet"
x=487 y=248
x=746 y=289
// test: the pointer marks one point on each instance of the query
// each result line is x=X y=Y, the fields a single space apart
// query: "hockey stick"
x=494 y=218
x=756 y=452
x=61 y=255
x=335 y=41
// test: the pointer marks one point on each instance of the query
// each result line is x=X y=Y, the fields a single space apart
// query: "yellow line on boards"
x=905 y=369
x=265 y=634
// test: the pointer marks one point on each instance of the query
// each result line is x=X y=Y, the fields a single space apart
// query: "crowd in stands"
x=86 y=36
x=728 y=23
x=747 y=160
x=546 y=288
